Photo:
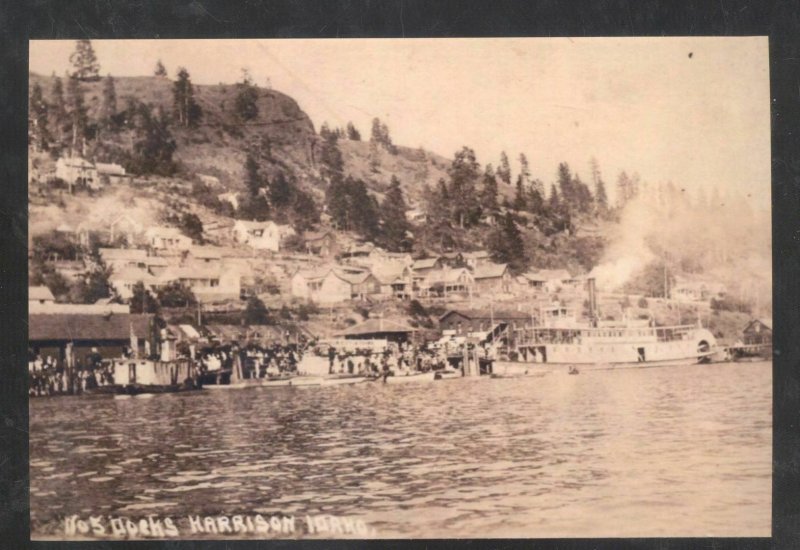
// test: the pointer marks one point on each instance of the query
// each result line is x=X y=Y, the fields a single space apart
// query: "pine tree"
x=84 y=61
x=252 y=177
x=524 y=171
x=332 y=163
x=160 y=70
x=565 y=186
x=281 y=191
x=38 y=123
x=187 y=110
x=553 y=202
x=78 y=117
x=393 y=214
x=325 y=131
x=246 y=101
x=600 y=196
x=536 y=197
x=352 y=133
x=519 y=203
x=506 y=246
x=464 y=173
x=489 y=191
x=504 y=170
x=109 y=106
x=58 y=109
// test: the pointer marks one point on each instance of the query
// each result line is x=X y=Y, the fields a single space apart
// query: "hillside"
x=218 y=145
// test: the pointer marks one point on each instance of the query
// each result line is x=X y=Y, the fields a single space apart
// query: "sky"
x=694 y=110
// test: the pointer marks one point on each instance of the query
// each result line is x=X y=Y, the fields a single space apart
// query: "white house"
x=208 y=284
x=329 y=285
x=167 y=238
x=77 y=171
x=261 y=235
x=125 y=278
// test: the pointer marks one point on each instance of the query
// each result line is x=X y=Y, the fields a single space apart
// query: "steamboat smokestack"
x=590 y=285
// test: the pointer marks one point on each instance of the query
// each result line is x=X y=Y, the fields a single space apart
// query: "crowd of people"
x=216 y=364
x=49 y=376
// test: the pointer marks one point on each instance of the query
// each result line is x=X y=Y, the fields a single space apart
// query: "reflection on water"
x=682 y=451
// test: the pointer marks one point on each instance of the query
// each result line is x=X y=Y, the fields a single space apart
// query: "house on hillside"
x=111 y=173
x=125 y=225
x=453 y=259
x=321 y=243
x=231 y=198
x=214 y=230
x=207 y=283
x=363 y=285
x=358 y=250
x=77 y=171
x=757 y=332
x=206 y=255
x=123 y=279
x=261 y=235
x=395 y=280
x=476 y=258
x=444 y=282
x=492 y=278
x=167 y=238
x=416 y=215
x=551 y=280
x=323 y=286
x=422 y=266
x=121 y=258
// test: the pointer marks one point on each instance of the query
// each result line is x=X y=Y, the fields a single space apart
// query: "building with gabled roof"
x=490 y=278
x=261 y=235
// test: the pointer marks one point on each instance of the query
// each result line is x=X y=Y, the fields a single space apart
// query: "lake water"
x=669 y=451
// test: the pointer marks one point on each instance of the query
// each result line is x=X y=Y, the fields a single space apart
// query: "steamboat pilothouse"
x=560 y=341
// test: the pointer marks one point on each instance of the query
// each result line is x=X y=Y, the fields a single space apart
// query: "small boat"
x=233 y=386
x=517 y=375
x=149 y=389
x=109 y=389
x=411 y=377
x=574 y=370
x=341 y=379
x=447 y=374
x=280 y=381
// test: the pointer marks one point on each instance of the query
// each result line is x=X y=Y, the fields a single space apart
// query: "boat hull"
x=410 y=378
x=522 y=368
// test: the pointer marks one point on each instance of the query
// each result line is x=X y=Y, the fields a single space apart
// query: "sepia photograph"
x=399 y=288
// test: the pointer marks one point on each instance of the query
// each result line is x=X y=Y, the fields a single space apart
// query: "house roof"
x=766 y=322
x=38 y=293
x=486 y=314
x=132 y=274
x=76 y=162
x=110 y=168
x=189 y=272
x=477 y=254
x=206 y=252
x=490 y=271
x=447 y=275
x=253 y=225
x=165 y=231
x=377 y=326
x=108 y=254
x=425 y=263
x=71 y=326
